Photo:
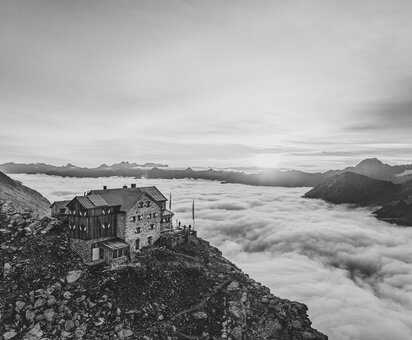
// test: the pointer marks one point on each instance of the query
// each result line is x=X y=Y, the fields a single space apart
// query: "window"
x=137 y=244
x=139 y=217
x=148 y=203
x=115 y=255
x=155 y=215
x=140 y=204
x=152 y=226
x=138 y=230
x=149 y=240
x=120 y=252
x=149 y=216
x=133 y=218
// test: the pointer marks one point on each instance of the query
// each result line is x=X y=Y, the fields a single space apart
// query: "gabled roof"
x=119 y=197
x=97 y=200
x=84 y=201
x=152 y=191
x=60 y=204
x=125 y=199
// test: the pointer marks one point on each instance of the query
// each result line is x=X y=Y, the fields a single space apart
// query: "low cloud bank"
x=353 y=271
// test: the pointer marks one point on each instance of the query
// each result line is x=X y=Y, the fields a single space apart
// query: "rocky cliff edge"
x=192 y=292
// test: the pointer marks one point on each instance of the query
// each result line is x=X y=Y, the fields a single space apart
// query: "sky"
x=352 y=271
x=288 y=84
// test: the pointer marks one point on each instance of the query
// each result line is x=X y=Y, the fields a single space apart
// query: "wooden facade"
x=89 y=224
x=59 y=209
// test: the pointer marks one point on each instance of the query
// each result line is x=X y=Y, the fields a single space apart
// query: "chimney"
x=124 y=186
x=104 y=187
x=133 y=185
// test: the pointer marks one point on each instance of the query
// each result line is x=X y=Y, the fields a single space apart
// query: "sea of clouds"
x=353 y=271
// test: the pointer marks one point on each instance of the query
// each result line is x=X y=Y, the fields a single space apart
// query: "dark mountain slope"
x=395 y=199
x=357 y=189
x=398 y=212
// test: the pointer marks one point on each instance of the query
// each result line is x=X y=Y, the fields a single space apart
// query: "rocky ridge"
x=193 y=292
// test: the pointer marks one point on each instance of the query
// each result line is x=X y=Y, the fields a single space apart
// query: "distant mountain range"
x=73 y=170
x=291 y=178
x=371 y=182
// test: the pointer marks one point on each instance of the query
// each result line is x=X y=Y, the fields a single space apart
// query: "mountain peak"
x=370 y=162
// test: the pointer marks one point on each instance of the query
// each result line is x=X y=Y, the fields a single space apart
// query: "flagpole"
x=193 y=213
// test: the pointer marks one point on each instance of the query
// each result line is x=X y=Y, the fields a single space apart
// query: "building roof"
x=167 y=213
x=152 y=191
x=125 y=199
x=60 y=204
x=97 y=200
x=122 y=197
x=85 y=202
x=114 y=244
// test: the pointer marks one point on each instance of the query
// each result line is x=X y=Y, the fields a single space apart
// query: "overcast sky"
x=304 y=84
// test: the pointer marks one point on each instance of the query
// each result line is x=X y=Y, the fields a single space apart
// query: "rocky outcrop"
x=19 y=221
x=192 y=292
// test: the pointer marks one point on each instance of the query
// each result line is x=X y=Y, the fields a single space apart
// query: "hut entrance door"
x=95 y=254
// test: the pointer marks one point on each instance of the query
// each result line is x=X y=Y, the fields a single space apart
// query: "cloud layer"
x=354 y=272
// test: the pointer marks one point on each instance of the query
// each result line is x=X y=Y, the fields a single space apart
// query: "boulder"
x=73 y=276
x=36 y=331
x=9 y=335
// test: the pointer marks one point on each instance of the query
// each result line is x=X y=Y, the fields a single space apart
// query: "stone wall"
x=132 y=223
x=84 y=248
x=121 y=225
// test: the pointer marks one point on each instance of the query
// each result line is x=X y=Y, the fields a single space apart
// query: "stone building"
x=111 y=224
